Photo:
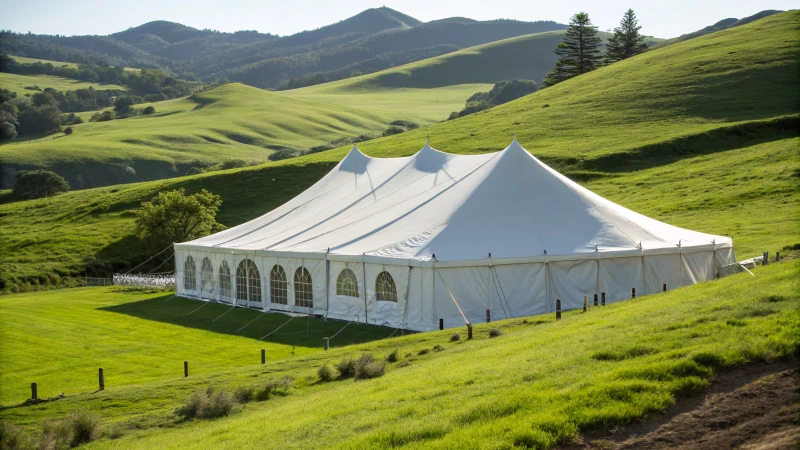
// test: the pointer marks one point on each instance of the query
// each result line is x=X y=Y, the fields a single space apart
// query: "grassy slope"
x=657 y=113
x=538 y=384
x=24 y=60
x=140 y=337
x=18 y=83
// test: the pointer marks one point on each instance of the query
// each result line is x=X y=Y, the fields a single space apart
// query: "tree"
x=123 y=104
x=40 y=119
x=7 y=131
x=176 y=217
x=6 y=95
x=626 y=41
x=578 y=53
x=68 y=131
x=31 y=184
x=149 y=110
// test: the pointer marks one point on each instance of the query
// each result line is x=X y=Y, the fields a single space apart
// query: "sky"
x=658 y=18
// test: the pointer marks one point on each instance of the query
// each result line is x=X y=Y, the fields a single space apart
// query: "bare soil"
x=756 y=407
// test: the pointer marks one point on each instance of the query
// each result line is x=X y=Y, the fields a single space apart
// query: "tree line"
x=580 y=51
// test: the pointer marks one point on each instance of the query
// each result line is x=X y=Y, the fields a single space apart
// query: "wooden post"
x=185 y=369
x=633 y=292
x=469 y=331
x=777 y=256
x=664 y=287
x=765 y=259
x=488 y=316
x=327 y=343
x=34 y=392
x=602 y=299
x=585 y=303
x=102 y=379
x=263 y=356
x=558 y=308
x=595 y=299
x=441 y=324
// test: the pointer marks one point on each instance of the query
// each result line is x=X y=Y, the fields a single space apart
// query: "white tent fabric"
x=501 y=232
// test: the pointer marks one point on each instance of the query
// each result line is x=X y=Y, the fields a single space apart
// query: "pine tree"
x=626 y=41
x=578 y=53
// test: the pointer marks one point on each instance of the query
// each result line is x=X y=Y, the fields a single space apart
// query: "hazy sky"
x=659 y=18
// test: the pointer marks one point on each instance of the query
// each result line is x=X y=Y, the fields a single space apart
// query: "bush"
x=207 y=405
x=71 y=119
x=494 y=332
x=149 y=110
x=346 y=367
x=284 y=153
x=424 y=351
x=367 y=367
x=233 y=164
x=30 y=184
x=394 y=356
x=393 y=130
x=326 y=373
x=103 y=116
x=84 y=427
x=56 y=434
x=407 y=124
x=68 y=131
x=244 y=394
x=455 y=337
x=194 y=171
x=274 y=387
x=438 y=348
x=12 y=437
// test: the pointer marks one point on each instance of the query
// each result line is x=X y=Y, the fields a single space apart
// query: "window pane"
x=385 y=290
x=278 y=286
x=303 y=293
x=347 y=284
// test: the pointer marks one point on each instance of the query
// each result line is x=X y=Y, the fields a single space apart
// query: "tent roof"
x=458 y=207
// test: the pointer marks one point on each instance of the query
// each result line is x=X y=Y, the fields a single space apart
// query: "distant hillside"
x=723 y=24
x=372 y=40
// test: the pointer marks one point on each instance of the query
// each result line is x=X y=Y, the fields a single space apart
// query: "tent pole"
x=366 y=286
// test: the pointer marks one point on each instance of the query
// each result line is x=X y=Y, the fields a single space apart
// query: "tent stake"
x=441 y=324
x=633 y=292
x=595 y=299
x=664 y=287
x=585 y=303
x=602 y=299
x=488 y=316
x=558 y=308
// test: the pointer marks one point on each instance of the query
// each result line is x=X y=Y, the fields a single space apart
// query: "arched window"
x=347 y=284
x=248 y=281
x=189 y=275
x=278 y=286
x=224 y=280
x=385 y=290
x=303 y=294
x=206 y=277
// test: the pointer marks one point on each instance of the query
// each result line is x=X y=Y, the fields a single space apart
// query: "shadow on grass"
x=299 y=331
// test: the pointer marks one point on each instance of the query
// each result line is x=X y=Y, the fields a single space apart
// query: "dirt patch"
x=751 y=408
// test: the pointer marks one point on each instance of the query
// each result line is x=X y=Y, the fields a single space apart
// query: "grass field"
x=632 y=133
x=538 y=384
x=26 y=84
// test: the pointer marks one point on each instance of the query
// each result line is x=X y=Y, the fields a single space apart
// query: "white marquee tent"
x=394 y=241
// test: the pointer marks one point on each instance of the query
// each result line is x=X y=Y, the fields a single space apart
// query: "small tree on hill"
x=176 y=217
x=578 y=53
x=30 y=184
x=626 y=41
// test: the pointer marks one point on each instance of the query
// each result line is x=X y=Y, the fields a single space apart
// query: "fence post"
x=34 y=391
x=664 y=286
x=264 y=356
x=765 y=259
x=102 y=379
x=185 y=369
x=595 y=299
x=585 y=303
x=777 y=256
x=558 y=308
x=633 y=292
x=488 y=316
x=441 y=324
x=602 y=299
x=327 y=343
x=469 y=331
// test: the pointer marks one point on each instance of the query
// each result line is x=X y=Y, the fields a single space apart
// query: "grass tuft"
x=271 y=388
x=623 y=354
x=495 y=332
x=207 y=405
x=455 y=337
x=346 y=367
x=367 y=367
x=327 y=372
x=394 y=356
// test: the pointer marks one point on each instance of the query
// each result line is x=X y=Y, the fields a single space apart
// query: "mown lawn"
x=538 y=384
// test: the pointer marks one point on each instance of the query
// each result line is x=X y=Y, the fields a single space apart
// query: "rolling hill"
x=375 y=39
x=247 y=123
x=664 y=133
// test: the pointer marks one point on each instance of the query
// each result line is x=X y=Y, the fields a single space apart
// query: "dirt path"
x=751 y=408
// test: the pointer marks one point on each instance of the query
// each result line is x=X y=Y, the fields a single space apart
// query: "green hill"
x=723 y=24
x=247 y=123
x=28 y=84
x=718 y=108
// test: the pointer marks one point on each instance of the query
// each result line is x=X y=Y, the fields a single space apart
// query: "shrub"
x=455 y=337
x=494 y=332
x=393 y=130
x=103 y=116
x=407 y=124
x=346 y=367
x=56 y=434
x=274 y=387
x=68 y=131
x=367 y=367
x=71 y=119
x=424 y=351
x=30 y=184
x=326 y=372
x=233 y=164
x=149 y=110
x=84 y=427
x=284 y=153
x=438 y=348
x=194 y=171
x=12 y=437
x=207 y=405
x=394 y=356
x=244 y=394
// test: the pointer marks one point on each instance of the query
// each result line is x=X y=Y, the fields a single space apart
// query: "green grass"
x=25 y=84
x=538 y=384
x=663 y=133
x=140 y=337
x=24 y=60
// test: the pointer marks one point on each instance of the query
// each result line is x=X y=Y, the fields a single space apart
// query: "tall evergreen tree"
x=626 y=41
x=578 y=53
